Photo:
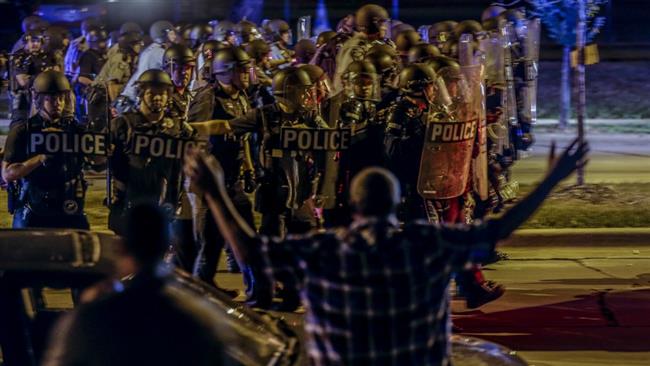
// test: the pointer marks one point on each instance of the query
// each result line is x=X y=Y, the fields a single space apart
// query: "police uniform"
x=212 y=102
x=150 y=58
x=90 y=64
x=25 y=63
x=138 y=178
x=53 y=194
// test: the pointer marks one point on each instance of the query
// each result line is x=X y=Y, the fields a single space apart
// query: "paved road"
x=563 y=306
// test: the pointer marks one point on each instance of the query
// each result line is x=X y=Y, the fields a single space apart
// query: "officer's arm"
x=212 y=127
x=572 y=159
x=15 y=171
x=206 y=172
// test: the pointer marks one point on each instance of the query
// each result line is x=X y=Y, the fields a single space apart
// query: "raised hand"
x=571 y=159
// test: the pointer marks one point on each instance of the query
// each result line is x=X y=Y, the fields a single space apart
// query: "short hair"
x=147 y=234
x=374 y=192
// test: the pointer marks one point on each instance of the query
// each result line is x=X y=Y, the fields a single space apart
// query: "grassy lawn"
x=596 y=205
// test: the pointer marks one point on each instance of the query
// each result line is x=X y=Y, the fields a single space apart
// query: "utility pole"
x=580 y=76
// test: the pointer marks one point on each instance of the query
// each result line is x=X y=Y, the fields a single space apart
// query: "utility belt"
x=69 y=201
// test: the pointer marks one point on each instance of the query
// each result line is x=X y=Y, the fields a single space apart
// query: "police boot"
x=476 y=290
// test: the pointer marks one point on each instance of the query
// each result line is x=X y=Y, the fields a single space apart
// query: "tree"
x=561 y=20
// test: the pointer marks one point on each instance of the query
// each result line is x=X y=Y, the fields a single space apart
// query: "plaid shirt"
x=375 y=294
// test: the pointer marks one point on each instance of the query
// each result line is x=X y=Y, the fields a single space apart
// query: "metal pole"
x=580 y=75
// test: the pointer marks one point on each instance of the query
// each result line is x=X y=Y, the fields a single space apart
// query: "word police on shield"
x=453 y=131
x=51 y=143
x=322 y=139
x=154 y=146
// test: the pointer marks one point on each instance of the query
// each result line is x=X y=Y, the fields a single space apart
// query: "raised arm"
x=572 y=159
x=207 y=175
x=212 y=127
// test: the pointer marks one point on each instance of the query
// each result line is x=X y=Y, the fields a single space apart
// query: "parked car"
x=42 y=273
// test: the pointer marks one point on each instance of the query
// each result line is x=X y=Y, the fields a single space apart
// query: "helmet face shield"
x=300 y=98
x=456 y=86
x=155 y=97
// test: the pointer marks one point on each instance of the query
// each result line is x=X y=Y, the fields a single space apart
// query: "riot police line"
x=448 y=107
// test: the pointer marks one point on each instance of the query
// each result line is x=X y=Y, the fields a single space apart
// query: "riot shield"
x=303 y=28
x=507 y=33
x=449 y=140
x=495 y=93
x=473 y=67
x=531 y=59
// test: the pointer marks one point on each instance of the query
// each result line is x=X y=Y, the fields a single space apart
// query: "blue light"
x=321 y=22
x=248 y=9
x=395 y=14
x=287 y=10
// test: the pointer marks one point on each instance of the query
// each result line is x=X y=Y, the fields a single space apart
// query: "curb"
x=592 y=237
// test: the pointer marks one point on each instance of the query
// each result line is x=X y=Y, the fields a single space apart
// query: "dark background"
x=626 y=33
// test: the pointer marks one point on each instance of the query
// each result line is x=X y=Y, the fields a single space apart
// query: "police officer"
x=280 y=32
x=78 y=46
x=260 y=91
x=52 y=187
x=224 y=32
x=163 y=35
x=25 y=65
x=357 y=109
x=30 y=23
x=246 y=32
x=223 y=99
x=404 y=42
x=90 y=64
x=199 y=33
x=141 y=178
x=371 y=22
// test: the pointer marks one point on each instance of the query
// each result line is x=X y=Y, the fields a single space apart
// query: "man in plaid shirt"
x=375 y=294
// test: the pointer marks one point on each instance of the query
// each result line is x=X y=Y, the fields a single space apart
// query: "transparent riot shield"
x=449 y=140
x=531 y=60
x=303 y=28
x=495 y=93
x=473 y=67
x=507 y=33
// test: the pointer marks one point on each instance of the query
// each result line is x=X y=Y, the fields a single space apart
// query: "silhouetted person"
x=147 y=323
x=374 y=294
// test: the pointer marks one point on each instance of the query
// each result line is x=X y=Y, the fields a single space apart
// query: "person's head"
x=33 y=41
x=199 y=33
x=224 y=31
x=97 y=39
x=422 y=52
x=405 y=41
x=147 y=235
x=372 y=20
x=374 y=192
x=304 y=51
x=50 y=90
x=55 y=38
x=33 y=22
x=247 y=31
x=361 y=81
x=419 y=81
x=280 y=31
x=320 y=80
x=442 y=32
x=294 y=90
x=179 y=61
x=154 y=89
x=386 y=66
x=231 y=67
x=163 y=32
x=88 y=24
x=260 y=52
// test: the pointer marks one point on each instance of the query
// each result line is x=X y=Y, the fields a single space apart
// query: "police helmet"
x=422 y=52
x=382 y=61
x=33 y=22
x=227 y=59
x=223 y=30
x=290 y=77
x=324 y=37
x=199 y=33
x=51 y=82
x=277 y=27
x=33 y=35
x=414 y=77
x=258 y=49
x=154 y=77
x=398 y=28
x=158 y=30
x=369 y=18
x=468 y=26
x=440 y=62
x=90 y=23
x=304 y=50
x=130 y=27
x=247 y=31
x=407 y=39
x=442 y=31
x=178 y=54
x=96 y=35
